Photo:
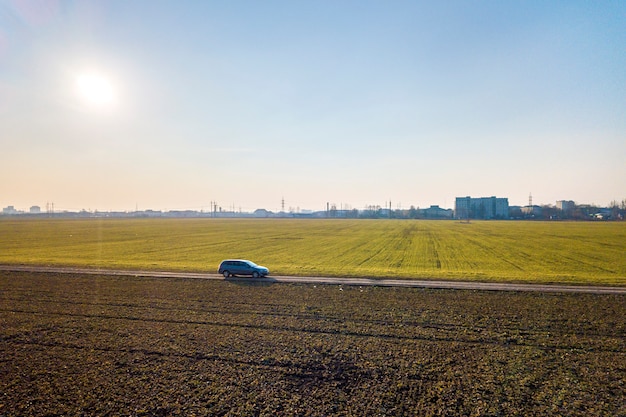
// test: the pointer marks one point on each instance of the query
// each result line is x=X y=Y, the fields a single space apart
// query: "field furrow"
x=102 y=345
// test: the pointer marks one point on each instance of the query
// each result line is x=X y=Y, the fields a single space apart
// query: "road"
x=382 y=282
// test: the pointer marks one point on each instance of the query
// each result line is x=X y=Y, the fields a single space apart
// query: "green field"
x=563 y=252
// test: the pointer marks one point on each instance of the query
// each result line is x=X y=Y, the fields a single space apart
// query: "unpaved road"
x=409 y=283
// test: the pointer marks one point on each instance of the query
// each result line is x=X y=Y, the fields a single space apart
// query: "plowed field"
x=102 y=345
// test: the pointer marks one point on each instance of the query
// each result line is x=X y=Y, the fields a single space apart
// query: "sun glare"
x=95 y=89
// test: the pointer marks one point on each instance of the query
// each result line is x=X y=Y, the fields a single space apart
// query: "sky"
x=180 y=105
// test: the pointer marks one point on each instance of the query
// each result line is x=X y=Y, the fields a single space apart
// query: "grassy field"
x=563 y=252
x=102 y=346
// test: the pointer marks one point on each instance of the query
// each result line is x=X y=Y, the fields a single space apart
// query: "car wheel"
x=226 y=274
x=255 y=274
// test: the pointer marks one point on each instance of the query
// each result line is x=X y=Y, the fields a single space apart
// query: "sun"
x=95 y=89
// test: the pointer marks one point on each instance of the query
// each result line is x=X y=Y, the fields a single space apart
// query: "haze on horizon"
x=117 y=105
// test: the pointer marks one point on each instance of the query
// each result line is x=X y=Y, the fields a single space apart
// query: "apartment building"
x=481 y=208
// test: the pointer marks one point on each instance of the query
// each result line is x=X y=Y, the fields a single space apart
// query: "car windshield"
x=250 y=263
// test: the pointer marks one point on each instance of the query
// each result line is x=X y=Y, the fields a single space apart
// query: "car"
x=232 y=267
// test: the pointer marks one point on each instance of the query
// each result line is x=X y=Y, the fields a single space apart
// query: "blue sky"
x=350 y=102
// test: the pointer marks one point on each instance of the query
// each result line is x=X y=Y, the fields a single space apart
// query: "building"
x=35 y=210
x=532 y=211
x=481 y=208
x=566 y=206
x=436 y=212
x=9 y=210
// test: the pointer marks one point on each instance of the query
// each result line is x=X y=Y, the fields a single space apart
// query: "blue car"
x=232 y=267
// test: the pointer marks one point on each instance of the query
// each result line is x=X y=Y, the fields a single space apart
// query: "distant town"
x=466 y=208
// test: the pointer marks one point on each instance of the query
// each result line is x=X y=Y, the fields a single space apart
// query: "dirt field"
x=102 y=345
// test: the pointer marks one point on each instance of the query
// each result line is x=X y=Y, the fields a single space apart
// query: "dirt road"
x=382 y=282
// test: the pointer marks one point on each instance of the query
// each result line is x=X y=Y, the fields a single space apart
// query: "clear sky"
x=117 y=105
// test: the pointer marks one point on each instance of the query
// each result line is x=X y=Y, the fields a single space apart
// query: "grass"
x=555 y=252
x=98 y=345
